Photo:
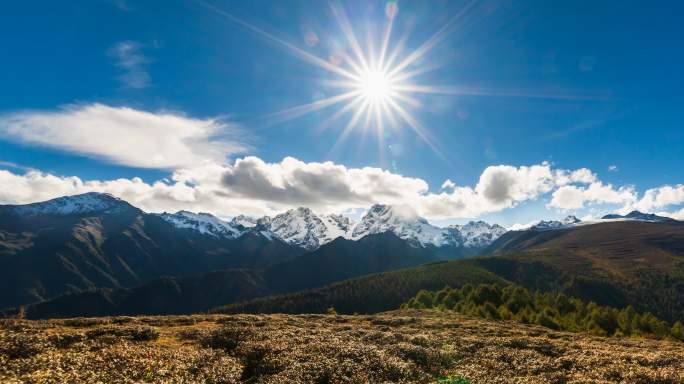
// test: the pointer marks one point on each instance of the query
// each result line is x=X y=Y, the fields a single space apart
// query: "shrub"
x=140 y=333
x=227 y=337
x=452 y=378
x=21 y=345
x=65 y=340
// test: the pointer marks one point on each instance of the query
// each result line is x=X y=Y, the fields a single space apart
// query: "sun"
x=374 y=82
x=375 y=86
x=379 y=83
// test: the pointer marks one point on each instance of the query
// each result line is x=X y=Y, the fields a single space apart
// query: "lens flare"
x=378 y=81
x=375 y=86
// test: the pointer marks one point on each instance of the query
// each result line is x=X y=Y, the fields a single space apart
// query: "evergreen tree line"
x=552 y=310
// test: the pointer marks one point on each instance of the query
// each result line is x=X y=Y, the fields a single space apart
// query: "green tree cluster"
x=552 y=310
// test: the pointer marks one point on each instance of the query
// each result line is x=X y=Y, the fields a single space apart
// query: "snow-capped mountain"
x=74 y=205
x=244 y=221
x=544 y=225
x=478 y=234
x=403 y=222
x=203 y=223
x=638 y=216
x=305 y=229
x=300 y=227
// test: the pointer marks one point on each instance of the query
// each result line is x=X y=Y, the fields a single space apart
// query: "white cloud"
x=503 y=185
x=607 y=194
x=661 y=197
x=613 y=168
x=130 y=58
x=574 y=197
x=126 y=136
x=677 y=215
x=568 y=197
x=253 y=186
x=582 y=176
x=325 y=186
x=159 y=196
x=499 y=187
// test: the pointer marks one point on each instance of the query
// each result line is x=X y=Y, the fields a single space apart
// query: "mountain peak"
x=302 y=227
x=301 y=211
x=401 y=220
x=244 y=221
x=639 y=216
x=90 y=202
x=478 y=233
x=571 y=219
x=567 y=222
x=204 y=223
x=393 y=213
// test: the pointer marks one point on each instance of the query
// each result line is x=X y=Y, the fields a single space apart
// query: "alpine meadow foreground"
x=405 y=346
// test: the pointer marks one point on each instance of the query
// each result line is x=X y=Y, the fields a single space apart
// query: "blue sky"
x=577 y=84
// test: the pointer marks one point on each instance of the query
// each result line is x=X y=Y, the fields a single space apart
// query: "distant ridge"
x=636 y=215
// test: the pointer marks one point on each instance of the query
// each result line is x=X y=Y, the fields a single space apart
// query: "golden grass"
x=395 y=347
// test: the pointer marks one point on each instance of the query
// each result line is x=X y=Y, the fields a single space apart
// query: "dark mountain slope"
x=372 y=293
x=342 y=259
x=166 y=295
x=48 y=252
x=335 y=261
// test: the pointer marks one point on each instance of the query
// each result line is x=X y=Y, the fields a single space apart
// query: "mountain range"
x=94 y=254
x=303 y=228
x=79 y=243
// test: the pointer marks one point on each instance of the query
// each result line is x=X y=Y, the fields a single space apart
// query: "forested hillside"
x=555 y=311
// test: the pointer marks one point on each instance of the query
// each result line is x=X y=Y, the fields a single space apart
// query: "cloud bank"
x=253 y=186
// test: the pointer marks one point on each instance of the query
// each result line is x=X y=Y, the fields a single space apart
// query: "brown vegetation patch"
x=396 y=347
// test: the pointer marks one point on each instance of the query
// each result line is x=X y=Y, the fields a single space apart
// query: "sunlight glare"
x=375 y=86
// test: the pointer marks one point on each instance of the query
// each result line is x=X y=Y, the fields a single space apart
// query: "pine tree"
x=677 y=331
x=546 y=321
x=424 y=299
x=626 y=320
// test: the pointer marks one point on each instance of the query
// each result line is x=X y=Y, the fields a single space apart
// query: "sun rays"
x=376 y=83
x=374 y=78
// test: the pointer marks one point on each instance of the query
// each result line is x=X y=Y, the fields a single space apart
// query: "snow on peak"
x=567 y=222
x=203 y=223
x=338 y=226
x=244 y=221
x=403 y=222
x=478 y=233
x=90 y=202
x=303 y=228
x=300 y=227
